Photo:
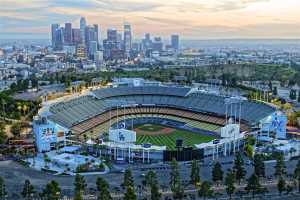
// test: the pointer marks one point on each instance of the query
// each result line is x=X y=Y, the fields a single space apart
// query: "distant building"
x=120 y=44
x=76 y=36
x=89 y=66
x=2 y=53
x=155 y=54
x=91 y=35
x=96 y=29
x=98 y=57
x=112 y=35
x=51 y=58
x=81 y=51
x=147 y=43
x=175 y=42
x=70 y=49
x=127 y=40
x=133 y=82
x=68 y=33
x=157 y=44
x=93 y=48
x=82 y=29
x=111 y=45
x=180 y=78
x=54 y=28
x=136 y=46
x=58 y=40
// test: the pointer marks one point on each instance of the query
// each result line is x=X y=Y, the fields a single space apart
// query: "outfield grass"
x=150 y=127
x=169 y=140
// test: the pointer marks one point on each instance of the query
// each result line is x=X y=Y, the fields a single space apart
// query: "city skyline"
x=192 y=19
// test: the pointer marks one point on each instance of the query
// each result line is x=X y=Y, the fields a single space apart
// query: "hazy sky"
x=192 y=19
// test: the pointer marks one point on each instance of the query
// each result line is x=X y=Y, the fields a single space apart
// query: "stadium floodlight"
x=233 y=107
x=234 y=100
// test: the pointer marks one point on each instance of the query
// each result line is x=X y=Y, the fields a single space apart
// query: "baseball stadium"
x=160 y=115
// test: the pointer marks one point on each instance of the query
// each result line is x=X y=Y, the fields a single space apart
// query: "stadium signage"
x=230 y=131
x=276 y=123
x=122 y=136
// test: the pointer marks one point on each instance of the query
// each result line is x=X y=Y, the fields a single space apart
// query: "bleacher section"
x=104 y=127
x=148 y=90
x=86 y=112
x=196 y=120
x=76 y=110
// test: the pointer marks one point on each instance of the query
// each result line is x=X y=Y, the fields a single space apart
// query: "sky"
x=191 y=19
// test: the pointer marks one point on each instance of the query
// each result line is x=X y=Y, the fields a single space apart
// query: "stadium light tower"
x=233 y=109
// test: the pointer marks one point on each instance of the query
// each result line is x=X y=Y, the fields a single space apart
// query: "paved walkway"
x=38 y=163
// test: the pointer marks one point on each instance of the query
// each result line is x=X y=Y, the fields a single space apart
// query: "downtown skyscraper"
x=110 y=44
x=91 y=39
x=85 y=39
x=76 y=37
x=54 y=28
x=68 y=34
x=82 y=29
x=175 y=42
x=57 y=37
x=127 y=40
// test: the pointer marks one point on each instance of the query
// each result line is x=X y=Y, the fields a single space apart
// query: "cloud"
x=107 y=5
x=261 y=31
x=230 y=5
x=72 y=3
x=191 y=18
x=41 y=13
x=280 y=30
x=166 y=21
x=30 y=14
x=127 y=5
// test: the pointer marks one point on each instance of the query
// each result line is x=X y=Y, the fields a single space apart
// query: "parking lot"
x=15 y=174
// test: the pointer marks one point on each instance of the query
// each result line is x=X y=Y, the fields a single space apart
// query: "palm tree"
x=19 y=107
x=3 y=192
x=205 y=190
x=28 y=190
x=292 y=151
x=46 y=160
x=3 y=106
x=52 y=191
x=297 y=174
x=25 y=108
x=33 y=161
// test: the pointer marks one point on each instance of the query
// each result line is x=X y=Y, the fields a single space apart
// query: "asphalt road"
x=15 y=175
